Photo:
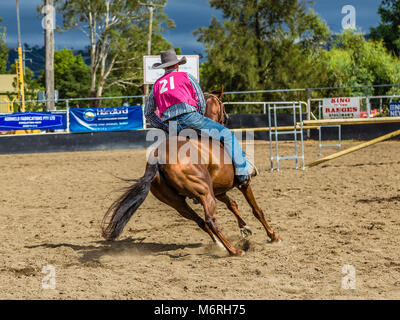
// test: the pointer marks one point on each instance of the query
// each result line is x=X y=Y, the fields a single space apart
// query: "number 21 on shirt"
x=164 y=84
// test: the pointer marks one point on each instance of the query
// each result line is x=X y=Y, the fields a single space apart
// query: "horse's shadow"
x=134 y=246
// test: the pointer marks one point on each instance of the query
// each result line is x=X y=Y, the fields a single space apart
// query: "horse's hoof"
x=276 y=240
x=239 y=253
x=245 y=232
x=219 y=243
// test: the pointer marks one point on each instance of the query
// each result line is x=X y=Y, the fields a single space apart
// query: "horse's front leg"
x=245 y=231
x=208 y=202
x=248 y=194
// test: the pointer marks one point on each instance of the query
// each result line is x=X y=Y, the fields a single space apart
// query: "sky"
x=188 y=15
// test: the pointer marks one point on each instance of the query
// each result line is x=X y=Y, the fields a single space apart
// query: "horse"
x=173 y=182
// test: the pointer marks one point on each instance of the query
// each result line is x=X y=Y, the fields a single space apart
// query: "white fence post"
x=67 y=106
x=143 y=106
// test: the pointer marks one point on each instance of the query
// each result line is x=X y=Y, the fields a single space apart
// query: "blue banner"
x=394 y=110
x=33 y=120
x=105 y=119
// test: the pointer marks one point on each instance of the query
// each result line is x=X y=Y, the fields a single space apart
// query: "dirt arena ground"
x=345 y=212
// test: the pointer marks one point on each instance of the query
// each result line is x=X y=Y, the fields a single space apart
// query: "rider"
x=177 y=96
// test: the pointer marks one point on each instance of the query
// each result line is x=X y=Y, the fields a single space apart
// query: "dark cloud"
x=188 y=15
x=331 y=11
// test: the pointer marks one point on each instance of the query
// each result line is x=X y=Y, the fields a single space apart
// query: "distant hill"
x=34 y=58
x=334 y=38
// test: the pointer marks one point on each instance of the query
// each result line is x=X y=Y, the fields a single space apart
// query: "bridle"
x=224 y=117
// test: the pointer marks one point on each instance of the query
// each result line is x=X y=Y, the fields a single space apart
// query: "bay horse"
x=173 y=182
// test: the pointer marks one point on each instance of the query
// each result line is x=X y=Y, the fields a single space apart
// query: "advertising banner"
x=33 y=121
x=105 y=119
x=341 y=108
x=394 y=110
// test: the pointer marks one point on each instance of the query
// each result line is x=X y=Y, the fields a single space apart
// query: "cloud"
x=187 y=43
x=331 y=12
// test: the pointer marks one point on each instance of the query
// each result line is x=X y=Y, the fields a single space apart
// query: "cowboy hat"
x=168 y=59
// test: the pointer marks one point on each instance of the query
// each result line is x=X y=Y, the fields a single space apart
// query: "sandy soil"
x=345 y=212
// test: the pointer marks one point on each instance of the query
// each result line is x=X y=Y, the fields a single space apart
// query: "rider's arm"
x=201 y=102
x=151 y=116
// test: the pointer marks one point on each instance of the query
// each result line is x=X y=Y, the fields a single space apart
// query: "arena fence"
x=322 y=145
x=274 y=130
x=295 y=108
x=312 y=106
x=355 y=148
x=44 y=121
x=371 y=94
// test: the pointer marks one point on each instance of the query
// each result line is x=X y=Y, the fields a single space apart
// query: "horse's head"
x=215 y=109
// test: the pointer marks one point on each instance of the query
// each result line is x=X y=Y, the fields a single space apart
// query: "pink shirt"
x=173 y=88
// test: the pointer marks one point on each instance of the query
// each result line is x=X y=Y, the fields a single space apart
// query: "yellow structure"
x=6 y=87
x=355 y=148
x=20 y=80
x=325 y=122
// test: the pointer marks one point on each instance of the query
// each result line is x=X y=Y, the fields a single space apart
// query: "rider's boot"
x=244 y=180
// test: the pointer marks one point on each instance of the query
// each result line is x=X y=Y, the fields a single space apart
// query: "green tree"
x=71 y=75
x=354 y=61
x=263 y=44
x=117 y=34
x=3 y=49
x=388 y=28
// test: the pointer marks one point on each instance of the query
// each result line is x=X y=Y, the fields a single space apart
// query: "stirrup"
x=243 y=183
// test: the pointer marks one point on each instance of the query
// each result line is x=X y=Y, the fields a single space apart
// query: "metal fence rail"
x=321 y=145
x=276 y=132
x=66 y=102
x=266 y=103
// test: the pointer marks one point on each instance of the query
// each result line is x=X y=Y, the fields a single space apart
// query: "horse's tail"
x=118 y=215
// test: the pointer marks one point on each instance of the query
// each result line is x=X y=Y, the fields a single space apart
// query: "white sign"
x=151 y=75
x=341 y=108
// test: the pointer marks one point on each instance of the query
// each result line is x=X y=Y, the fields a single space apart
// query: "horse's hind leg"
x=245 y=231
x=248 y=194
x=166 y=194
x=208 y=202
